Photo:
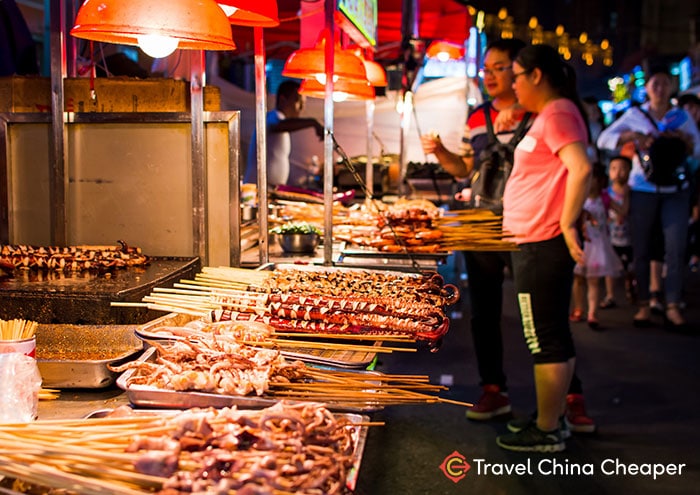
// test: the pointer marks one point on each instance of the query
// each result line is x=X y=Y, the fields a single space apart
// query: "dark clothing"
x=485 y=271
x=543 y=273
x=672 y=209
x=17 y=48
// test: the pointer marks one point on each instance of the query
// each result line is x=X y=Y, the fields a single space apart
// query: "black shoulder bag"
x=665 y=162
x=495 y=164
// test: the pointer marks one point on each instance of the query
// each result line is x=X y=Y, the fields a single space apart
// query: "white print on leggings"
x=525 y=303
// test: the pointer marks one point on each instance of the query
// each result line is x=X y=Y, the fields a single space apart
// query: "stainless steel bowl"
x=298 y=243
x=248 y=213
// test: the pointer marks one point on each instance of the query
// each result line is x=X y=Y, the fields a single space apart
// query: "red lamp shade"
x=260 y=13
x=444 y=51
x=194 y=24
x=375 y=73
x=308 y=63
x=343 y=90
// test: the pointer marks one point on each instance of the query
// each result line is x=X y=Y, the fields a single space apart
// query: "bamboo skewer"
x=88 y=456
x=343 y=336
x=17 y=329
x=473 y=230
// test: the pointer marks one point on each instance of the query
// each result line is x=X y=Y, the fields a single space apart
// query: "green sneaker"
x=532 y=439
x=518 y=424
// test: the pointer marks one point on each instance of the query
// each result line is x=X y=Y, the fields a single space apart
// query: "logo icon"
x=455 y=467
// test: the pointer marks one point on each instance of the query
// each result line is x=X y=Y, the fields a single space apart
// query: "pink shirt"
x=534 y=196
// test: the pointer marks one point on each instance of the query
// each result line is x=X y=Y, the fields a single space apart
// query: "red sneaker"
x=576 y=417
x=492 y=403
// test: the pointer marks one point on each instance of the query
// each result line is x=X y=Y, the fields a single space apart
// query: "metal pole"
x=369 y=171
x=199 y=170
x=328 y=137
x=406 y=114
x=234 y=193
x=57 y=146
x=261 y=141
x=409 y=28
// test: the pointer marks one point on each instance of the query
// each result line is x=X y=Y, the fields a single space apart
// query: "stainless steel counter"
x=79 y=403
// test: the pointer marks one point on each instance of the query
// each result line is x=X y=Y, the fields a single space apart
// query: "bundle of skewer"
x=230 y=278
x=319 y=306
x=214 y=366
x=282 y=340
x=17 y=329
x=142 y=453
x=355 y=390
x=473 y=230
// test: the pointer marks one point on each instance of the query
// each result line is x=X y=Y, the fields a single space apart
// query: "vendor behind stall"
x=281 y=121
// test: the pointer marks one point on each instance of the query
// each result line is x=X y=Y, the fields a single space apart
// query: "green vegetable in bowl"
x=296 y=228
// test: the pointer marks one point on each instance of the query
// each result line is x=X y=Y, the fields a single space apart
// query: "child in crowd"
x=600 y=259
x=619 y=228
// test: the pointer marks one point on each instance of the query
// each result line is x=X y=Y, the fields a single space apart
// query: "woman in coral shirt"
x=542 y=202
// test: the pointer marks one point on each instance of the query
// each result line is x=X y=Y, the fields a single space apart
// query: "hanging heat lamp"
x=254 y=13
x=307 y=63
x=376 y=75
x=343 y=90
x=444 y=51
x=158 y=28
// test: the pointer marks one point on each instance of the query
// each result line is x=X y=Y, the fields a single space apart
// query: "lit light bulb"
x=443 y=56
x=157 y=46
x=229 y=10
x=321 y=77
x=339 y=96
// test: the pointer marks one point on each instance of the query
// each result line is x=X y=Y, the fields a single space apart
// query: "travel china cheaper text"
x=557 y=467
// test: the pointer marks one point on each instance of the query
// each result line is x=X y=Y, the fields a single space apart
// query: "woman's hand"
x=573 y=242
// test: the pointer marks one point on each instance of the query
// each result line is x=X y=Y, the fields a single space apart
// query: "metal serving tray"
x=335 y=358
x=76 y=356
x=359 y=434
x=147 y=396
x=84 y=298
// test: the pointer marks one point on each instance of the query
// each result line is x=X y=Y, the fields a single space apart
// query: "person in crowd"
x=285 y=118
x=486 y=269
x=649 y=199
x=596 y=123
x=599 y=258
x=691 y=104
x=542 y=203
x=619 y=227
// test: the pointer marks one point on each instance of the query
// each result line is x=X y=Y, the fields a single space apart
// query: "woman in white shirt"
x=639 y=126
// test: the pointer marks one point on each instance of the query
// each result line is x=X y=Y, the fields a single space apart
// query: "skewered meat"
x=71 y=258
x=299 y=448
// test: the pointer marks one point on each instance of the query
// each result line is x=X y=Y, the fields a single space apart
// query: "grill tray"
x=85 y=297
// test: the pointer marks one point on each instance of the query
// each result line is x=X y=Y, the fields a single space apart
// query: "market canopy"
x=437 y=19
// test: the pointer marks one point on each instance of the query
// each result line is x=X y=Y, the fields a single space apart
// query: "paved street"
x=640 y=386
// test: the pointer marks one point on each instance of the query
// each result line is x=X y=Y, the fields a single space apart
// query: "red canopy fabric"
x=437 y=19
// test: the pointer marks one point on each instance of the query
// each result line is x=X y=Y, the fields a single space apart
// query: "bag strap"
x=521 y=129
x=489 y=124
x=517 y=134
x=649 y=117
